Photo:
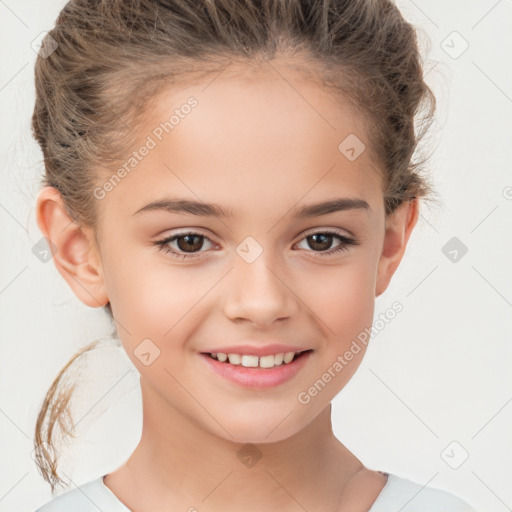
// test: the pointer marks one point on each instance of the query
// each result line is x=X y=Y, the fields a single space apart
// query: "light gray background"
x=438 y=373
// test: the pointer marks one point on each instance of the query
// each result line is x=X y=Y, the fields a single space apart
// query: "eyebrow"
x=198 y=208
x=334 y=205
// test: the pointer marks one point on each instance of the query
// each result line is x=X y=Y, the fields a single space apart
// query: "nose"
x=259 y=293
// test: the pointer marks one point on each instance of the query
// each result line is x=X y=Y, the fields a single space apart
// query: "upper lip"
x=256 y=350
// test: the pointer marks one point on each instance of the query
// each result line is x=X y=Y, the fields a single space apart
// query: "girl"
x=233 y=181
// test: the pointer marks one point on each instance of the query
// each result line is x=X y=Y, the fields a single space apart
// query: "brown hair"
x=113 y=56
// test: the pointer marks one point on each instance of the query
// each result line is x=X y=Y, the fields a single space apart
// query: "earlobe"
x=398 y=229
x=75 y=253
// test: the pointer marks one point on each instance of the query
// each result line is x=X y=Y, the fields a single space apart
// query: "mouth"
x=251 y=371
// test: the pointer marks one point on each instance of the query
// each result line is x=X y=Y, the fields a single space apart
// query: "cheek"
x=342 y=297
x=344 y=307
x=155 y=301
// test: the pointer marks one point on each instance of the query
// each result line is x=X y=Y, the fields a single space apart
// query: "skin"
x=260 y=147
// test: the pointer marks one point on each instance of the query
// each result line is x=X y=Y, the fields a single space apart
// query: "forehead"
x=254 y=137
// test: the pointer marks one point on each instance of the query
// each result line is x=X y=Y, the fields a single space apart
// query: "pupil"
x=184 y=247
x=324 y=237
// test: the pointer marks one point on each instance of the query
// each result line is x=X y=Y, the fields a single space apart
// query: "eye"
x=188 y=244
x=321 y=240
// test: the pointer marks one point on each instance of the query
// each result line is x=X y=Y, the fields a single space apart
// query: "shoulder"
x=408 y=496
x=89 y=497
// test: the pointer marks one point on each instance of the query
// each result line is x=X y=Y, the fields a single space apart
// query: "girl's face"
x=262 y=147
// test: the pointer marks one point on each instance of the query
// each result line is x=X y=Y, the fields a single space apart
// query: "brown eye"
x=321 y=242
x=187 y=245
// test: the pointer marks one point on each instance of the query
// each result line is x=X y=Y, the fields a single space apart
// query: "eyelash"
x=346 y=242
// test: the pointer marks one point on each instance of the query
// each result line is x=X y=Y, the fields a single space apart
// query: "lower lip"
x=257 y=378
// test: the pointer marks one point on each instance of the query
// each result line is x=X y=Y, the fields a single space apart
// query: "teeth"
x=267 y=361
x=250 y=361
x=288 y=357
x=234 y=358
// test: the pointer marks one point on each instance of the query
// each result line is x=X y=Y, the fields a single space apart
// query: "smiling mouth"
x=253 y=361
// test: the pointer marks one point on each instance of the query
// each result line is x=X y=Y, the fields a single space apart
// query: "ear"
x=74 y=249
x=399 y=226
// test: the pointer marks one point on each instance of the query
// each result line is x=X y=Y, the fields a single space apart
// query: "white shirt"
x=399 y=494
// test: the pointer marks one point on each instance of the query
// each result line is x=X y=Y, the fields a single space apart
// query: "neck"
x=179 y=460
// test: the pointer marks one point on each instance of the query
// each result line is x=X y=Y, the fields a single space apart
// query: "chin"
x=248 y=431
